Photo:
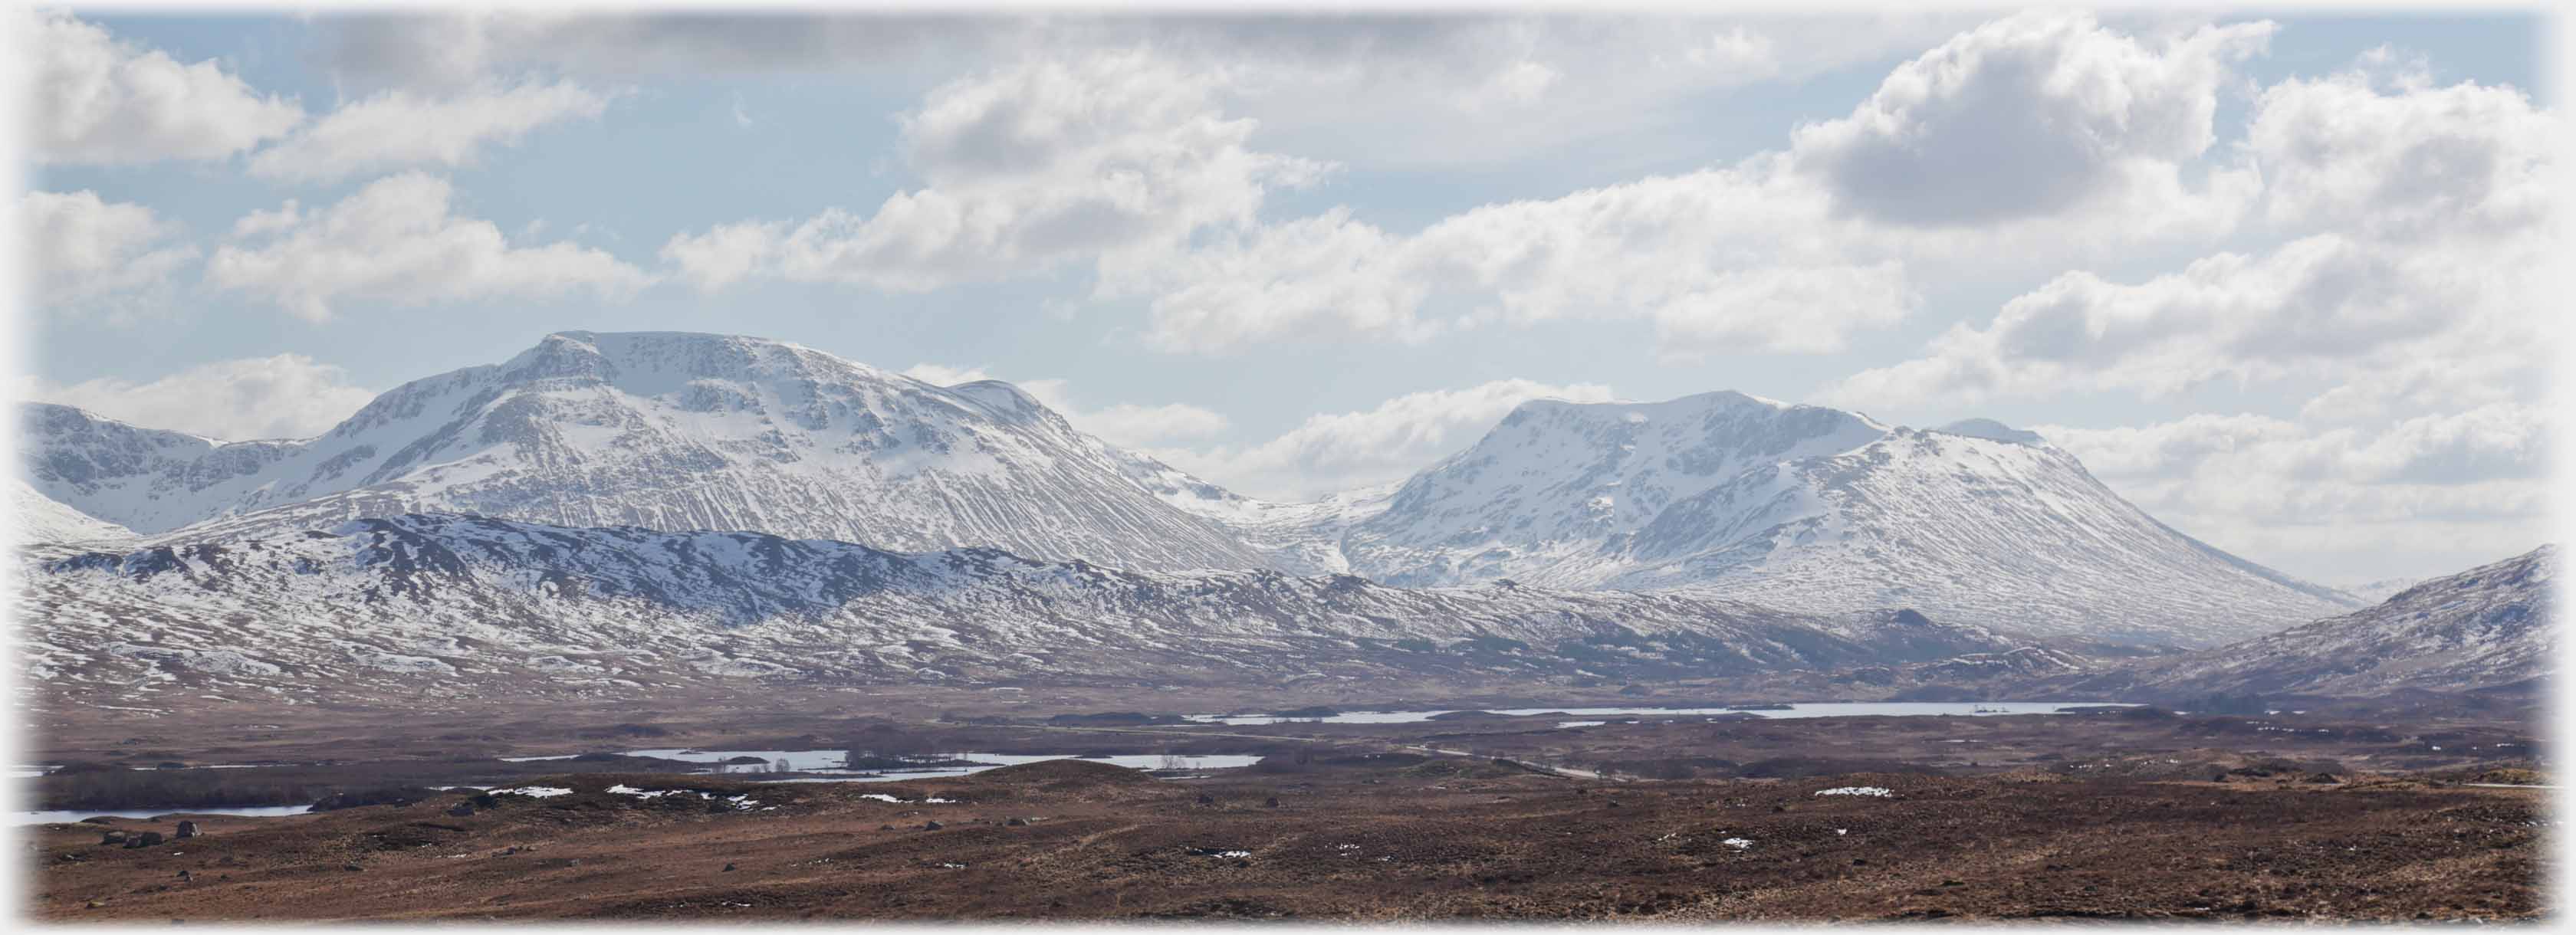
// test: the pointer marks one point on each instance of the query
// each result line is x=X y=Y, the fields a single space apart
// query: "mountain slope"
x=1815 y=510
x=1552 y=494
x=483 y=604
x=666 y=431
x=2488 y=627
x=42 y=519
x=1971 y=528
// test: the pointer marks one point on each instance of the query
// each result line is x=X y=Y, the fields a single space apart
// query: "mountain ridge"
x=1803 y=507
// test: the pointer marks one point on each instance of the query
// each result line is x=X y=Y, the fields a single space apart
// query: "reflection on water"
x=51 y=817
x=1800 y=710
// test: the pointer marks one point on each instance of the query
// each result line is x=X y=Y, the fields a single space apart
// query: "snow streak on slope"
x=465 y=598
x=2488 y=627
x=667 y=431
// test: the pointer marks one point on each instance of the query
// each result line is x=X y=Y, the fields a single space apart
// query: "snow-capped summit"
x=1819 y=510
x=667 y=431
x=1551 y=494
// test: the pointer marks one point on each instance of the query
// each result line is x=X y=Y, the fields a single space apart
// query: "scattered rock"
x=111 y=837
x=351 y=867
x=187 y=829
x=462 y=810
x=1017 y=823
x=1271 y=802
x=931 y=826
x=728 y=868
x=1205 y=799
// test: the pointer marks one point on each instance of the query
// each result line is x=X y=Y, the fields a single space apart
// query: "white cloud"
x=100 y=100
x=1341 y=451
x=1777 y=252
x=1025 y=168
x=2411 y=497
x=97 y=257
x=2032 y=115
x=2428 y=243
x=2399 y=160
x=399 y=129
x=397 y=242
x=1404 y=91
x=1701 y=256
x=1126 y=425
x=2315 y=306
x=286 y=396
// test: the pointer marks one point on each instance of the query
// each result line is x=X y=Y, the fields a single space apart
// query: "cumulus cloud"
x=2388 y=156
x=1126 y=425
x=397 y=242
x=102 y=100
x=399 y=129
x=1701 y=257
x=1334 y=452
x=2425 y=242
x=1408 y=91
x=2406 y=497
x=1024 y=168
x=2031 y=115
x=1784 y=251
x=286 y=396
x=94 y=257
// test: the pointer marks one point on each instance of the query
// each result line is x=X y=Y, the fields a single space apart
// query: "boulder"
x=111 y=837
x=931 y=826
x=1271 y=802
x=462 y=810
x=187 y=829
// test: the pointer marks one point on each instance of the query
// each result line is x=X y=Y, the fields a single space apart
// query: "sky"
x=2275 y=277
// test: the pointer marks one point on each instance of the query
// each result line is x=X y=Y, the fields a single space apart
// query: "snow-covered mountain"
x=666 y=431
x=1803 y=508
x=1818 y=510
x=2488 y=627
x=470 y=603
